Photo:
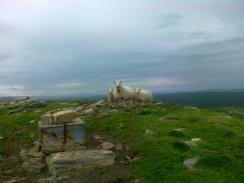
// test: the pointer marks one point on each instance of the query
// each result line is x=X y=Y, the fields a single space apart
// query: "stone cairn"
x=61 y=146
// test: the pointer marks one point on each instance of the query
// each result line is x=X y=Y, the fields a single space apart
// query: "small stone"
x=178 y=129
x=158 y=103
x=168 y=117
x=32 y=136
x=1 y=137
x=88 y=111
x=148 y=132
x=192 y=142
x=32 y=121
x=195 y=139
x=119 y=147
x=190 y=163
x=136 y=181
x=107 y=146
x=97 y=137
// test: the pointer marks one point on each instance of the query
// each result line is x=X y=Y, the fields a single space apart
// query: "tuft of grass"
x=181 y=146
x=216 y=161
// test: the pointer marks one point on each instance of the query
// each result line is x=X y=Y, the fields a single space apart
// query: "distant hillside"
x=6 y=99
x=205 y=99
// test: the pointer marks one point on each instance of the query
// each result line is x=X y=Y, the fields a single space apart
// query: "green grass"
x=221 y=150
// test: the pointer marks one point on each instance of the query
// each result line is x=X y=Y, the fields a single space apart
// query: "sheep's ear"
x=120 y=81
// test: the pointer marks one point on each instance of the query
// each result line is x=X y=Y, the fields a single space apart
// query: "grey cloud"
x=173 y=47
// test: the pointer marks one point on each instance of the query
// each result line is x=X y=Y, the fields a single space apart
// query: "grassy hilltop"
x=157 y=150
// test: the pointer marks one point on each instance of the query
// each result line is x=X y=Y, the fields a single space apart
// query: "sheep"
x=112 y=95
x=124 y=92
x=143 y=95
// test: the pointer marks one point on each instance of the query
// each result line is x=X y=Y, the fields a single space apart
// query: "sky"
x=78 y=47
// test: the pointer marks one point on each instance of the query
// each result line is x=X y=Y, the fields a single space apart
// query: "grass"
x=161 y=154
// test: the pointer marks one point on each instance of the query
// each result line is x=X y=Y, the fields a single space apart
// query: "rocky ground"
x=152 y=143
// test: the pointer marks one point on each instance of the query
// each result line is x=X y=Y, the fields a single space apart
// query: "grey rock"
x=97 y=104
x=136 y=181
x=33 y=167
x=107 y=146
x=168 y=117
x=178 y=130
x=97 y=137
x=65 y=116
x=63 y=162
x=47 y=119
x=51 y=144
x=193 y=142
x=149 y=132
x=158 y=103
x=119 y=147
x=32 y=121
x=88 y=111
x=190 y=163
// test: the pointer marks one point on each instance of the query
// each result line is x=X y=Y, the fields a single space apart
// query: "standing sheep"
x=112 y=96
x=124 y=92
x=143 y=95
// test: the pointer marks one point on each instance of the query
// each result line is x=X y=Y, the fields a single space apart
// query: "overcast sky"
x=70 y=47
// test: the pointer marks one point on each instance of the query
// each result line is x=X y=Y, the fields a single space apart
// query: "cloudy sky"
x=70 y=47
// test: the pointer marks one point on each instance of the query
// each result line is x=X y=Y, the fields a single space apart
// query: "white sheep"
x=112 y=95
x=143 y=95
x=124 y=92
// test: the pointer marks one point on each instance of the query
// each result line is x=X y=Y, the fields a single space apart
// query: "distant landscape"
x=202 y=99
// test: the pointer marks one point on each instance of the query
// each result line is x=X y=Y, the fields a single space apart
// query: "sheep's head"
x=118 y=84
x=137 y=90
x=110 y=91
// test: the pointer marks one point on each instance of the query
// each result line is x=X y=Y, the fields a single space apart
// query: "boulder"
x=47 y=119
x=33 y=160
x=63 y=162
x=65 y=116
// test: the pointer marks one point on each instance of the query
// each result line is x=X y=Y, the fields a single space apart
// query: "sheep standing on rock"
x=143 y=95
x=124 y=92
x=112 y=96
